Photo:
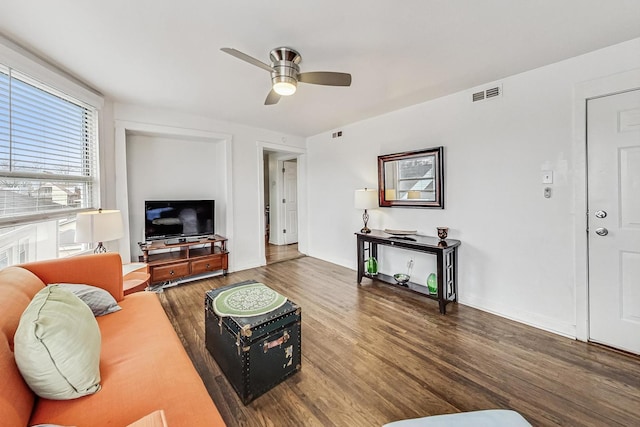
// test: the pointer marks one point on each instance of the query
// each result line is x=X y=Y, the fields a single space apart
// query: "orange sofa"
x=143 y=365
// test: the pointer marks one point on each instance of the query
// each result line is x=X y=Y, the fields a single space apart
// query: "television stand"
x=176 y=259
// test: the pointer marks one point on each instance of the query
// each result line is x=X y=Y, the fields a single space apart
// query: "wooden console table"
x=445 y=252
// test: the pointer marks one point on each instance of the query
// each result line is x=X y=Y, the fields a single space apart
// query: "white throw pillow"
x=57 y=346
x=99 y=301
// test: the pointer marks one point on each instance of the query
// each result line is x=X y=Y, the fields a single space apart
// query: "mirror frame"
x=438 y=203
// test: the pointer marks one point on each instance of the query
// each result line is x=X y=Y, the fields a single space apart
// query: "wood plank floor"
x=278 y=253
x=374 y=354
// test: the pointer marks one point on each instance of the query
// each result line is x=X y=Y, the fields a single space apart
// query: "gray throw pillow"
x=99 y=301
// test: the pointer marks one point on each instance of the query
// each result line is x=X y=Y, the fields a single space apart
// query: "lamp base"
x=100 y=249
x=365 y=219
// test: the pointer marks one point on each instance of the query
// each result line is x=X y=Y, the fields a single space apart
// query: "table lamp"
x=98 y=226
x=366 y=198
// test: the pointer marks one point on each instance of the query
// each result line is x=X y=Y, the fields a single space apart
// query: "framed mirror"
x=412 y=179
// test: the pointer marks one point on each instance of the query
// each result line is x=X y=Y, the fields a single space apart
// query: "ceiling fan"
x=285 y=72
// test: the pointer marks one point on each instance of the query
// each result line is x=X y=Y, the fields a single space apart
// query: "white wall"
x=247 y=234
x=161 y=168
x=517 y=254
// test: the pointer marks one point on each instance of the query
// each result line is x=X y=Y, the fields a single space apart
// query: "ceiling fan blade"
x=247 y=58
x=272 y=98
x=327 y=78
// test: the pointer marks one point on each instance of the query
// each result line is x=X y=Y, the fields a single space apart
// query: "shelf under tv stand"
x=192 y=257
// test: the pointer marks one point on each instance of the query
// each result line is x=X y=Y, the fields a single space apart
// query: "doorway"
x=613 y=206
x=281 y=205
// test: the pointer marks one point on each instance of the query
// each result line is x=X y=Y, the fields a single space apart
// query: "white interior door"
x=290 y=171
x=613 y=151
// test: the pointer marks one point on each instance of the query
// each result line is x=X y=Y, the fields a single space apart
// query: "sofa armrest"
x=100 y=270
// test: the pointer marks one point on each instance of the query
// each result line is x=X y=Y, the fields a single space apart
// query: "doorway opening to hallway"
x=280 y=180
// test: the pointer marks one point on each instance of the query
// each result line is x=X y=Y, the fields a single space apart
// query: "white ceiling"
x=166 y=53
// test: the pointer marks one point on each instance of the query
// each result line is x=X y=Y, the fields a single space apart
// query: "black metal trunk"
x=255 y=353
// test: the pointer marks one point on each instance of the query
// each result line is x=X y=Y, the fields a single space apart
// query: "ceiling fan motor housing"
x=285 y=62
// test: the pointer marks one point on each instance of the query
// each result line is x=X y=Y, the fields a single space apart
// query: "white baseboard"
x=245 y=266
x=536 y=320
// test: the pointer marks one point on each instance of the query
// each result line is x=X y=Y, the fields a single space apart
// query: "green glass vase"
x=371 y=266
x=432 y=284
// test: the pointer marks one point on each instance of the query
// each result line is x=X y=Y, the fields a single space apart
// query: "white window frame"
x=25 y=63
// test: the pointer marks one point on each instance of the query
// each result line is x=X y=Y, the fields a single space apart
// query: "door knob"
x=602 y=231
x=601 y=214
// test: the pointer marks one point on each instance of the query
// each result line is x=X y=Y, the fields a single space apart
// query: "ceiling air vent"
x=489 y=93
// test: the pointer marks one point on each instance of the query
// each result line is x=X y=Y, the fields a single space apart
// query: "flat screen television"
x=169 y=219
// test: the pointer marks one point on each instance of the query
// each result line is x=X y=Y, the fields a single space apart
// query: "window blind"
x=48 y=151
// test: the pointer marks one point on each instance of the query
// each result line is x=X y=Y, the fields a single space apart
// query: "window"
x=48 y=167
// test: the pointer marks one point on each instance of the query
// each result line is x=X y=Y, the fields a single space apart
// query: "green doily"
x=249 y=300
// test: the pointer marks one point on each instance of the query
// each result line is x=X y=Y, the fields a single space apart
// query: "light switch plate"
x=547 y=177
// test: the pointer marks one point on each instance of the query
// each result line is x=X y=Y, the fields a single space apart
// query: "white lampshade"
x=366 y=199
x=98 y=226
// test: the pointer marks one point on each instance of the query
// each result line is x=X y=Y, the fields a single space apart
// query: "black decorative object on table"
x=443 y=232
x=444 y=250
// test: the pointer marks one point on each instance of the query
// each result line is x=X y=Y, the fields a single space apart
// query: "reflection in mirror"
x=410 y=179
x=413 y=179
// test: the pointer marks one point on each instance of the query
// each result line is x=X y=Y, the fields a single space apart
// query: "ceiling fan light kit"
x=285 y=88
x=285 y=72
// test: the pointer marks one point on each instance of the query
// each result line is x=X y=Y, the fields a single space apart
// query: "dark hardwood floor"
x=374 y=354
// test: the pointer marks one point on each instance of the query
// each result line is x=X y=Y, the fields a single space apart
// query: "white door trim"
x=584 y=91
